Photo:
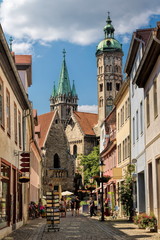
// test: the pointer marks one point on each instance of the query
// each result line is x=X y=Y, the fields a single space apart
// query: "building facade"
x=148 y=77
x=136 y=51
x=15 y=135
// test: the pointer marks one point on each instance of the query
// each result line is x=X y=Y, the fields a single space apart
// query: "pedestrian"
x=92 y=207
x=72 y=203
x=77 y=205
x=62 y=207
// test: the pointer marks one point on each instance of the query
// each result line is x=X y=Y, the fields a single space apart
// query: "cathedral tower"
x=64 y=98
x=109 y=70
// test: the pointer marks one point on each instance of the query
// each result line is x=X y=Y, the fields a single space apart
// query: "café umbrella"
x=67 y=193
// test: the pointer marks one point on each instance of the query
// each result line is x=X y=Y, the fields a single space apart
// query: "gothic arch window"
x=101 y=87
x=56 y=161
x=101 y=102
x=109 y=86
x=107 y=68
x=75 y=150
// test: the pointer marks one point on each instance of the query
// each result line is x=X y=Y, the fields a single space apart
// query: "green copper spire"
x=109 y=29
x=54 y=92
x=64 y=83
x=74 y=94
x=109 y=43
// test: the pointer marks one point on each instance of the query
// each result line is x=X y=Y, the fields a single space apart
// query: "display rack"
x=52 y=210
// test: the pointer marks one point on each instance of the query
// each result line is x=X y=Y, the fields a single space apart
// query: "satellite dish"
x=134 y=160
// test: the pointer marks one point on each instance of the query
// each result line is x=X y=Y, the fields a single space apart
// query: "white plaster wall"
x=153 y=132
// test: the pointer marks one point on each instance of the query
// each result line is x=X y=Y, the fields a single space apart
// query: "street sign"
x=25 y=162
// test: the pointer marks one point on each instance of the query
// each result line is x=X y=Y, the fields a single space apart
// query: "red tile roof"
x=44 y=120
x=23 y=59
x=87 y=121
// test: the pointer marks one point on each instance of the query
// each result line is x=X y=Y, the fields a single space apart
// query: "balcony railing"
x=58 y=173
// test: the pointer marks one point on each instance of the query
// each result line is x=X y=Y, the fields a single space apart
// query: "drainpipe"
x=24 y=127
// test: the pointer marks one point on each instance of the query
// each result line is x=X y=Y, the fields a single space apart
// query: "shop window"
x=4 y=196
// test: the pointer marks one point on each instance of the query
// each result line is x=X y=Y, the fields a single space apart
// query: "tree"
x=90 y=164
x=126 y=195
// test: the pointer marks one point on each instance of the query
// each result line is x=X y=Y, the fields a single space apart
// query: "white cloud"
x=88 y=108
x=76 y=21
x=22 y=47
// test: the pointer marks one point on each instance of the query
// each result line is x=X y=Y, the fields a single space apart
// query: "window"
x=141 y=117
x=15 y=123
x=117 y=86
x=56 y=161
x=137 y=125
x=109 y=86
x=155 y=98
x=101 y=87
x=1 y=104
x=118 y=121
x=119 y=153
x=19 y=129
x=128 y=146
x=8 y=120
x=123 y=150
x=122 y=115
x=75 y=150
x=147 y=110
x=133 y=130
x=126 y=110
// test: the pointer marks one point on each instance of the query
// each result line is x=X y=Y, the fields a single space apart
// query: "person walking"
x=72 y=203
x=77 y=205
x=92 y=207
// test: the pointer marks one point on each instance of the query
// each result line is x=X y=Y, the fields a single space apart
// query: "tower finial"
x=10 y=43
x=64 y=53
x=108 y=14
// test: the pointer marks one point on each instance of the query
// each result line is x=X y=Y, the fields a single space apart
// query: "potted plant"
x=146 y=221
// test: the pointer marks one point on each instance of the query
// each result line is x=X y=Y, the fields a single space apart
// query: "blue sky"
x=45 y=28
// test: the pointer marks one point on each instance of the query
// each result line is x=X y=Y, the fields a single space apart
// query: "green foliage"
x=90 y=164
x=126 y=195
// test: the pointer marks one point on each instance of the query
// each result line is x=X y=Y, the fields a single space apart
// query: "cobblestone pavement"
x=82 y=228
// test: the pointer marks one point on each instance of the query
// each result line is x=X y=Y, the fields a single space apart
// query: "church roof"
x=45 y=121
x=87 y=121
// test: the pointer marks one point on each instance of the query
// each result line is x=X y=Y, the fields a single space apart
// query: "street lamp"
x=101 y=164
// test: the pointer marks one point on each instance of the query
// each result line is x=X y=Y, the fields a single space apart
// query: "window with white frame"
x=137 y=125
x=141 y=117
x=155 y=98
x=147 y=109
x=133 y=130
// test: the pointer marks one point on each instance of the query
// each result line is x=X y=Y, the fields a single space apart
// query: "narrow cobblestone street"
x=82 y=228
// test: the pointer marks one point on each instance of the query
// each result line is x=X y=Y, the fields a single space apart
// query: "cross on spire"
x=108 y=14
x=10 y=43
x=64 y=53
